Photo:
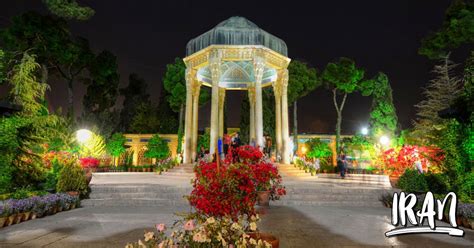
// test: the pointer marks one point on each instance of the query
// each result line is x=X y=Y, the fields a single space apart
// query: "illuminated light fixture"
x=384 y=140
x=364 y=131
x=83 y=135
x=304 y=149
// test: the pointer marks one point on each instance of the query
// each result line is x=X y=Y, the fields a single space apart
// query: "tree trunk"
x=44 y=74
x=70 y=99
x=339 y=109
x=295 y=125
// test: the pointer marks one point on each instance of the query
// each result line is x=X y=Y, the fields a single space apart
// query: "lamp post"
x=384 y=140
x=83 y=135
x=364 y=131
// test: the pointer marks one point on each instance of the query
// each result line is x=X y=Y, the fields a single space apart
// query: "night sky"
x=378 y=35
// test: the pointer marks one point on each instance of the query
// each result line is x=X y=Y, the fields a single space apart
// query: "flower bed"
x=223 y=197
x=16 y=211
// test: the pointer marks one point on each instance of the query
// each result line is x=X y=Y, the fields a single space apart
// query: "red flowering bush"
x=89 y=162
x=249 y=154
x=397 y=160
x=266 y=177
x=232 y=190
x=229 y=192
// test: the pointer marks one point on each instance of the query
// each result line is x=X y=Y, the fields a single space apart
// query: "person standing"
x=340 y=166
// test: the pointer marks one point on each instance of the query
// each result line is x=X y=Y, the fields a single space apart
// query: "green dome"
x=236 y=31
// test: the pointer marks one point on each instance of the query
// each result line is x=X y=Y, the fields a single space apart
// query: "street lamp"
x=384 y=140
x=83 y=135
x=364 y=131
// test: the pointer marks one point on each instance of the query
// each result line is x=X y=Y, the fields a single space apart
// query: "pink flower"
x=160 y=227
x=189 y=226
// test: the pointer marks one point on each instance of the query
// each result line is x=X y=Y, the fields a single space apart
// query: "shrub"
x=437 y=183
x=72 y=178
x=412 y=181
x=466 y=193
x=157 y=148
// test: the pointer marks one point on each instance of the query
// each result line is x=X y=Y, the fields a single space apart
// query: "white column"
x=189 y=116
x=259 y=66
x=284 y=118
x=251 y=93
x=214 y=65
x=196 y=91
x=221 y=111
x=277 y=93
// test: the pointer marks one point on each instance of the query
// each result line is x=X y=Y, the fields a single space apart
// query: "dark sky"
x=378 y=35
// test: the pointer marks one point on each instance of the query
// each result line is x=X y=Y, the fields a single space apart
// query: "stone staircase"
x=151 y=189
x=141 y=189
x=330 y=190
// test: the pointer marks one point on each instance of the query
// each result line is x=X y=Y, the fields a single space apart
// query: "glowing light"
x=83 y=135
x=304 y=149
x=384 y=140
x=364 y=131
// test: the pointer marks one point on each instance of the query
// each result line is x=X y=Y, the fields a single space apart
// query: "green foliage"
x=343 y=75
x=457 y=29
x=383 y=117
x=168 y=120
x=412 y=181
x=204 y=141
x=302 y=80
x=437 y=183
x=244 y=124
x=52 y=175
x=135 y=94
x=2 y=66
x=318 y=149
x=466 y=192
x=72 y=178
x=26 y=91
x=145 y=119
x=101 y=93
x=94 y=147
x=116 y=145
x=157 y=148
x=69 y=9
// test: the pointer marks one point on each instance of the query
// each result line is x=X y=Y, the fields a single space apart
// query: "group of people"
x=230 y=143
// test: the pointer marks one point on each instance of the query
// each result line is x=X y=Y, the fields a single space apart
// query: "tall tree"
x=343 y=78
x=69 y=9
x=101 y=95
x=383 y=117
x=145 y=119
x=168 y=118
x=441 y=93
x=57 y=50
x=135 y=94
x=457 y=29
x=174 y=83
x=302 y=80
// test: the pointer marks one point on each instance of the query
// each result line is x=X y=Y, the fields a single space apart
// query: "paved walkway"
x=301 y=226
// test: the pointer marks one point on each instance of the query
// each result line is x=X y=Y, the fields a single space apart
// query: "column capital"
x=258 y=67
x=196 y=87
x=190 y=76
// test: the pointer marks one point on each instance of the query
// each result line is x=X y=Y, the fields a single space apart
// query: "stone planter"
x=272 y=240
x=18 y=218
x=263 y=198
x=10 y=220
x=26 y=216
x=3 y=220
x=73 y=193
x=394 y=180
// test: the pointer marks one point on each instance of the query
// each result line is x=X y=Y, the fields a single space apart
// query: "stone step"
x=122 y=195
x=133 y=202
x=327 y=203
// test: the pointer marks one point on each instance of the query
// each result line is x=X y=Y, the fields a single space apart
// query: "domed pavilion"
x=236 y=55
